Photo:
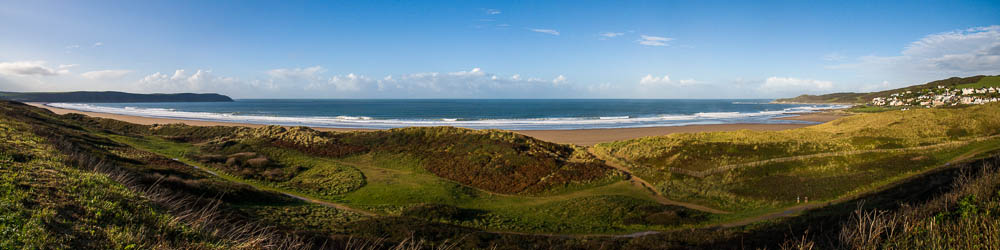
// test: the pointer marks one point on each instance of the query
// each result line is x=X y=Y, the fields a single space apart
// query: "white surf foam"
x=532 y=123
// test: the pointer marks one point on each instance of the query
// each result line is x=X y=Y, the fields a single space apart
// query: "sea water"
x=517 y=114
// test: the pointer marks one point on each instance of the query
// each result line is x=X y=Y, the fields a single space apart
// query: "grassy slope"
x=859 y=98
x=611 y=210
x=47 y=204
x=492 y=160
x=395 y=185
x=986 y=82
x=764 y=186
x=395 y=170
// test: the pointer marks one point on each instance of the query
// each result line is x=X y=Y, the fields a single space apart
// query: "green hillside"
x=73 y=181
x=746 y=170
x=860 y=98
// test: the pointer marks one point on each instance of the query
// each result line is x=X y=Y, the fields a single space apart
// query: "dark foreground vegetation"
x=71 y=181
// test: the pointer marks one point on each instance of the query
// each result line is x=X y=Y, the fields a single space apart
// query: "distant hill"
x=110 y=96
x=858 y=98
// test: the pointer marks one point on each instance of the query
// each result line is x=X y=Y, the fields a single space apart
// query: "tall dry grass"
x=965 y=217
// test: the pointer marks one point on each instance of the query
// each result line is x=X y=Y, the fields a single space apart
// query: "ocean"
x=513 y=114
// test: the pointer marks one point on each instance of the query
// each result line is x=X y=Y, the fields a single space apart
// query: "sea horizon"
x=509 y=114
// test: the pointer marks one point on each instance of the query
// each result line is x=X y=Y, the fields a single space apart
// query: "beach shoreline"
x=581 y=137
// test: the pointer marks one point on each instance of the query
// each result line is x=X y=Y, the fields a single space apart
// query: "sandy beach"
x=582 y=137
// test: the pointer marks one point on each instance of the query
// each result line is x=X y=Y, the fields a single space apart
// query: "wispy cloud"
x=105 y=74
x=965 y=52
x=493 y=12
x=559 y=80
x=467 y=83
x=29 y=68
x=180 y=81
x=74 y=46
x=834 y=56
x=546 y=31
x=98 y=44
x=611 y=34
x=654 y=40
x=787 y=83
x=656 y=81
x=309 y=72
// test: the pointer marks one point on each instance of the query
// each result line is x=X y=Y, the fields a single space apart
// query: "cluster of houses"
x=941 y=96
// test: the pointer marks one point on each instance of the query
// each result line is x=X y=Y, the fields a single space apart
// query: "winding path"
x=639 y=182
x=302 y=198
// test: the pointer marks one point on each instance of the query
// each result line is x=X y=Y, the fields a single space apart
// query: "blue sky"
x=494 y=49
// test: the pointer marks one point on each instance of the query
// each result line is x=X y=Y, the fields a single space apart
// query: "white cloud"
x=300 y=73
x=687 y=82
x=546 y=31
x=475 y=72
x=201 y=80
x=834 y=57
x=650 y=80
x=493 y=12
x=178 y=75
x=876 y=87
x=602 y=88
x=74 y=46
x=654 y=40
x=966 y=52
x=654 y=81
x=611 y=34
x=350 y=82
x=559 y=80
x=29 y=68
x=791 y=83
x=98 y=44
x=105 y=74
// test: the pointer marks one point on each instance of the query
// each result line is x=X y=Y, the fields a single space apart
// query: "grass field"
x=392 y=183
x=875 y=150
x=986 y=82
x=395 y=184
x=652 y=157
x=382 y=173
x=45 y=203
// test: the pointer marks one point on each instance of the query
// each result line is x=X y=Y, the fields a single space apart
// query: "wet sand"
x=582 y=137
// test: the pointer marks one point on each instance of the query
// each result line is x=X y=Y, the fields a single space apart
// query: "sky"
x=494 y=49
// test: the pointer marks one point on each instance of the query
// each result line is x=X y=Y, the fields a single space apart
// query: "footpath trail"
x=643 y=184
x=302 y=198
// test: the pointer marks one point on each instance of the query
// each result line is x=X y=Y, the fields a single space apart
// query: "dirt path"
x=639 y=182
x=305 y=199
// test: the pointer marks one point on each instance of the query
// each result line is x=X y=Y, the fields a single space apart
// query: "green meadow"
x=113 y=183
x=985 y=82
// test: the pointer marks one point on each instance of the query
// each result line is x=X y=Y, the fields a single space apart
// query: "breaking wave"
x=513 y=124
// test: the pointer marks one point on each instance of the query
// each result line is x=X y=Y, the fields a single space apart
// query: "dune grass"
x=874 y=150
x=651 y=157
x=821 y=179
x=396 y=183
x=45 y=203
